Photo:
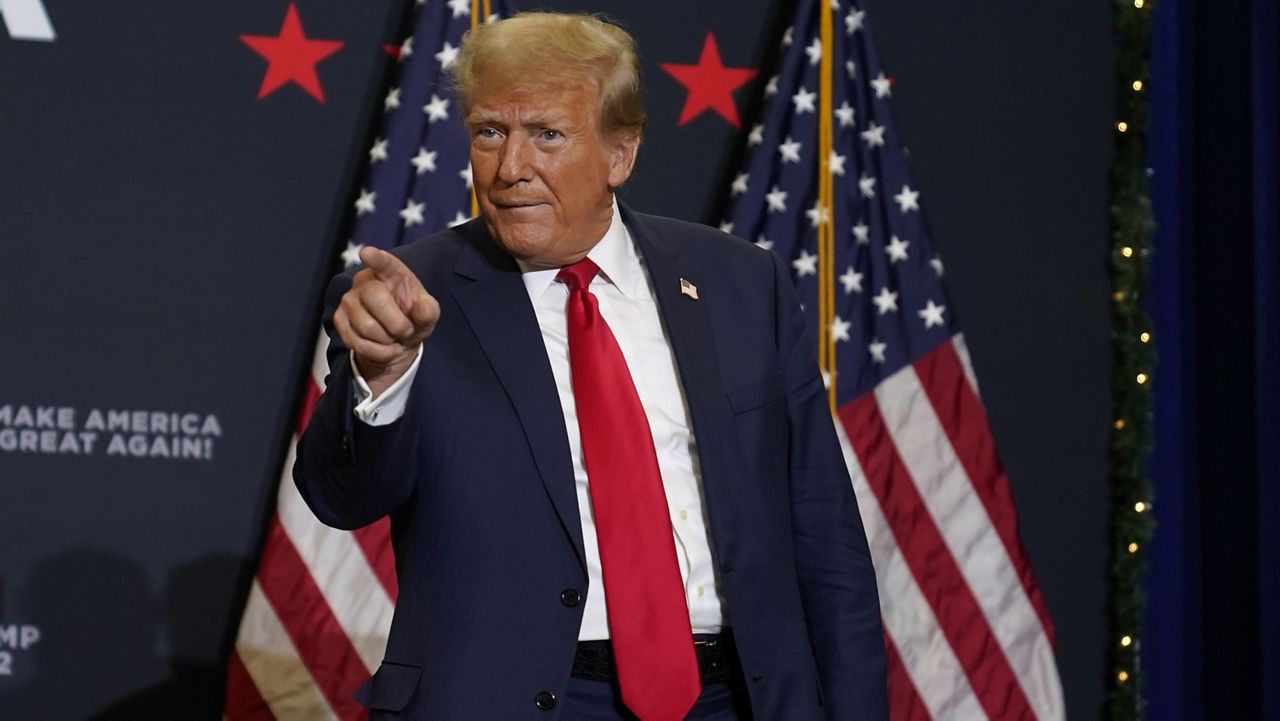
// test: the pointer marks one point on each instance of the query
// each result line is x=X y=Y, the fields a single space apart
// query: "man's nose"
x=514 y=164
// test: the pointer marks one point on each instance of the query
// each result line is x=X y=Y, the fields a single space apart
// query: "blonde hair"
x=534 y=48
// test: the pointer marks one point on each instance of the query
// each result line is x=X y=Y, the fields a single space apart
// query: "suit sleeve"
x=837 y=580
x=349 y=473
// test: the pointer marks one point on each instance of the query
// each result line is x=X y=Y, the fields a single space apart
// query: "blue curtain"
x=1211 y=636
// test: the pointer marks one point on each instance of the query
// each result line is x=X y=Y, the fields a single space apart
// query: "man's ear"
x=622 y=158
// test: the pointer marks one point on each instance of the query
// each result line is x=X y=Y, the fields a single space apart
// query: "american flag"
x=316 y=621
x=967 y=631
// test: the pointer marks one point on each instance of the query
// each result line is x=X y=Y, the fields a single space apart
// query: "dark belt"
x=717 y=659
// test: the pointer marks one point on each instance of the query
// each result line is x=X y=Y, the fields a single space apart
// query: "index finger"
x=392 y=271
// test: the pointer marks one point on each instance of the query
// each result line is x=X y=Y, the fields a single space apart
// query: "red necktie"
x=648 y=617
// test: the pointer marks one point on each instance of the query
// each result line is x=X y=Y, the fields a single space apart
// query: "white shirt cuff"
x=388 y=407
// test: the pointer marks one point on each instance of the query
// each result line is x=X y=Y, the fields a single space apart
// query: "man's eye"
x=487 y=133
x=551 y=135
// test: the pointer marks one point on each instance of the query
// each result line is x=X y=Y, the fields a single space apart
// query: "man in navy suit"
x=526 y=393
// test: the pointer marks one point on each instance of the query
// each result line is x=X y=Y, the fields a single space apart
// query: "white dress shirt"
x=625 y=295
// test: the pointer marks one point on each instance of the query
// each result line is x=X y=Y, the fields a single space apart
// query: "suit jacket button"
x=570 y=597
x=545 y=700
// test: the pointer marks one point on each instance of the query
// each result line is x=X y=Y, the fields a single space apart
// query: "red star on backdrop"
x=291 y=56
x=710 y=84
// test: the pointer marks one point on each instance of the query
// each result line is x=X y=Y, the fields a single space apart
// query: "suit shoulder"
x=709 y=241
x=433 y=251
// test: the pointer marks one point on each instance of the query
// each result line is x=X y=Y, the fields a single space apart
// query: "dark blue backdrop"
x=1211 y=642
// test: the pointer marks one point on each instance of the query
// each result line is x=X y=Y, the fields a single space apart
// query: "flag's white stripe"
x=962 y=351
x=273 y=664
x=320 y=360
x=966 y=528
x=926 y=654
x=342 y=572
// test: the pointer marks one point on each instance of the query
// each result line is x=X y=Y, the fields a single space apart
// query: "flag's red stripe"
x=310 y=394
x=321 y=642
x=904 y=702
x=965 y=422
x=375 y=541
x=244 y=702
x=932 y=564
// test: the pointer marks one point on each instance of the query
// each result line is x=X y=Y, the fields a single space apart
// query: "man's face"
x=542 y=170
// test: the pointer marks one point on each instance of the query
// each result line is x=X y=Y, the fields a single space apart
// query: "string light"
x=1122 y=126
x=1142 y=378
x=1145 y=337
x=1118 y=296
x=1138 y=4
x=1125 y=641
x=1126 y=252
x=1133 y=547
x=1137 y=86
x=1140 y=507
x=1119 y=424
x=1124 y=675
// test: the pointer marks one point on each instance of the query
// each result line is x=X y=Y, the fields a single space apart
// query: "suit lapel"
x=689 y=331
x=497 y=307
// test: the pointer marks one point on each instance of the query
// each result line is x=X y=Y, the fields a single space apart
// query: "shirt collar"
x=615 y=254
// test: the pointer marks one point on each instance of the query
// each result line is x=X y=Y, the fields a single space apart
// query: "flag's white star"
x=844 y=114
x=932 y=314
x=756 y=136
x=726 y=227
x=851 y=280
x=881 y=84
x=460 y=7
x=412 y=212
x=406 y=48
x=836 y=161
x=424 y=161
x=787 y=36
x=818 y=214
x=850 y=69
x=378 y=151
x=907 y=199
x=867 y=186
x=790 y=150
x=874 y=135
x=777 y=200
x=771 y=87
x=886 y=300
x=835 y=5
x=739 y=184
x=860 y=231
x=877 y=348
x=937 y=265
x=803 y=101
x=458 y=219
x=448 y=56
x=897 y=249
x=437 y=109
x=853 y=21
x=806 y=264
x=814 y=51
x=364 y=204
x=840 y=329
x=465 y=174
x=392 y=101
x=765 y=243
x=351 y=256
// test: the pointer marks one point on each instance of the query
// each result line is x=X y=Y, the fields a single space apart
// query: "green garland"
x=1131 y=438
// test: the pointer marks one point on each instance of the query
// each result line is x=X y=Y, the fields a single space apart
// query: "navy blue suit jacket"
x=479 y=484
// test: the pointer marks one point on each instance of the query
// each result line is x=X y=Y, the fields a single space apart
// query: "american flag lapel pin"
x=688 y=289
